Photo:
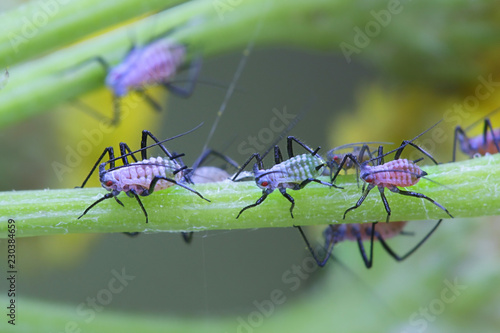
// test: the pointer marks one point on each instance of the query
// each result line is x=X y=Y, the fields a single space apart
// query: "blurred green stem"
x=42 y=26
x=469 y=191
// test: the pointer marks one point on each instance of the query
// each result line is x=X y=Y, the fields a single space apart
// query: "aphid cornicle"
x=486 y=143
x=294 y=173
x=360 y=232
x=140 y=178
x=390 y=175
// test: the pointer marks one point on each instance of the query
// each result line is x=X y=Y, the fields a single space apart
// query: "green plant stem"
x=42 y=26
x=470 y=190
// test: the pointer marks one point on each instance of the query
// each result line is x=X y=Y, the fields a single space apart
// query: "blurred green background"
x=223 y=274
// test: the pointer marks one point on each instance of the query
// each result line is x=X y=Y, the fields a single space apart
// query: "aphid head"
x=106 y=178
x=263 y=179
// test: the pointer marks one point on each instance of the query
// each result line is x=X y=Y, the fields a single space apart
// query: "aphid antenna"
x=232 y=85
x=403 y=145
x=155 y=144
x=176 y=170
x=481 y=119
x=354 y=144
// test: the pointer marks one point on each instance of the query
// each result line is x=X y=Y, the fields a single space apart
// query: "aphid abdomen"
x=153 y=64
x=400 y=172
x=385 y=230
x=138 y=176
x=482 y=148
x=161 y=61
x=302 y=167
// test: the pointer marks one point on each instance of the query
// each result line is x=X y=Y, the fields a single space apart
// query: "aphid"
x=140 y=178
x=390 y=175
x=487 y=142
x=210 y=174
x=361 y=232
x=294 y=173
x=152 y=64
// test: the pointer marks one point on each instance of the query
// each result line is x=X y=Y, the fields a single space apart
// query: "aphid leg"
x=278 y=158
x=144 y=144
x=290 y=148
x=342 y=163
x=150 y=100
x=187 y=90
x=386 y=203
x=187 y=236
x=462 y=138
x=406 y=143
x=260 y=164
x=131 y=234
x=487 y=124
x=418 y=195
x=289 y=198
x=106 y=196
x=403 y=257
x=124 y=149
x=111 y=155
x=360 y=201
x=258 y=202
x=329 y=248
x=368 y=262
x=134 y=194
x=308 y=180
x=380 y=155
x=157 y=178
x=200 y=160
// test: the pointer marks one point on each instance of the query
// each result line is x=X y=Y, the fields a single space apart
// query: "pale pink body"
x=153 y=64
x=138 y=176
x=400 y=172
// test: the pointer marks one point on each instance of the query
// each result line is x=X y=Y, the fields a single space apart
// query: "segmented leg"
x=418 y=195
x=406 y=143
x=386 y=203
x=111 y=155
x=360 y=201
x=187 y=236
x=403 y=257
x=342 y=163
x=157 y=178
x=329 y=248
x=106 y=196
x=258 y=202
x=368 y=262
x=187 y=90
x=259 y=163
x=289 y=198
x=289 y=147
x=487 y=124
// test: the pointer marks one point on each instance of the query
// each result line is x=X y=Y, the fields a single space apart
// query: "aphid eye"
x=109 y=183
x=264 y=183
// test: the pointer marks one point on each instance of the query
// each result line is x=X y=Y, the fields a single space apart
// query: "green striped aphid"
x=294 y=173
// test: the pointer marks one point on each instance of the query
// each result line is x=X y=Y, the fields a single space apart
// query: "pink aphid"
x=486 y=143
x=400 y=172
x=140 y=178
x=390 y=175
x=156 y=63
x=360 y=232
